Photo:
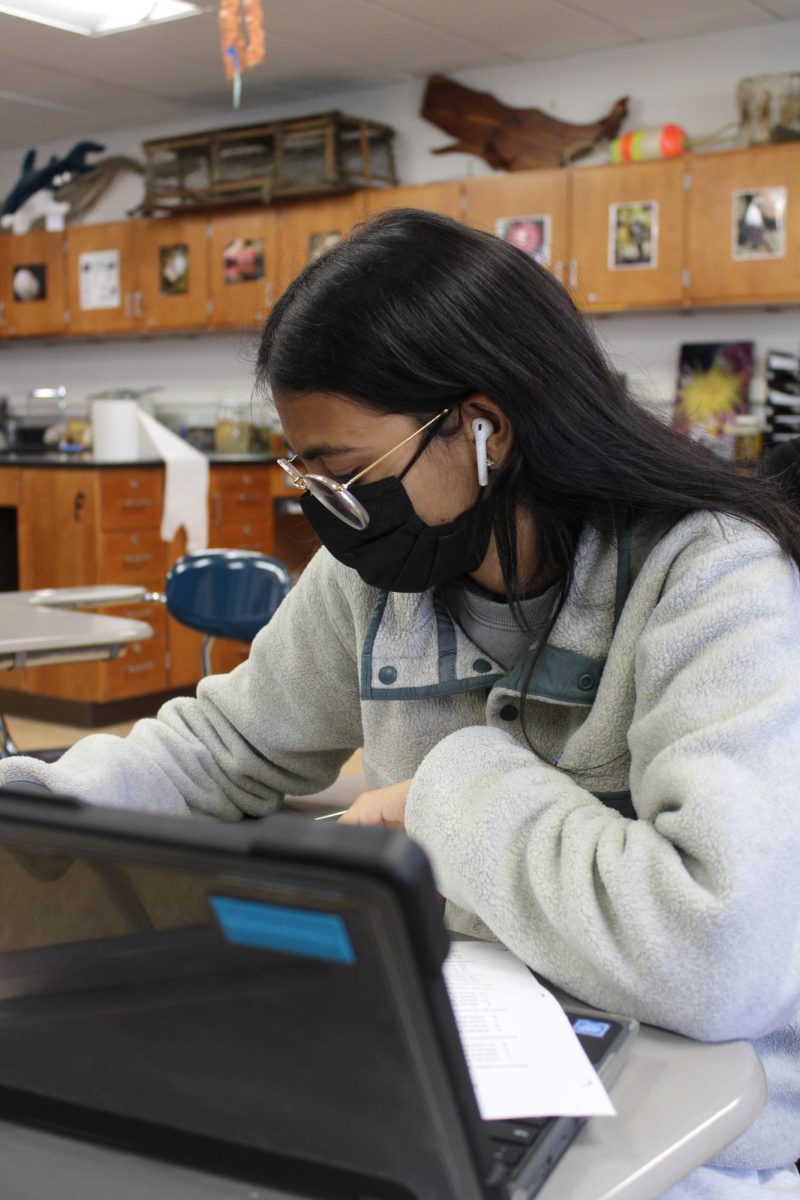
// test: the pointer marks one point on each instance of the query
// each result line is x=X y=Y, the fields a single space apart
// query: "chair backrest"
x=226 y=593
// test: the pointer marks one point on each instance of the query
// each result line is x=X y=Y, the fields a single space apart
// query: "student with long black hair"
x=567 y=639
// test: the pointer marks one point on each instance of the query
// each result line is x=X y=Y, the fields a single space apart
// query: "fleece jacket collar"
x=413 y=648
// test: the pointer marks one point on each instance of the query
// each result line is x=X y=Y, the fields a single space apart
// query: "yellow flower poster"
x=713 y=386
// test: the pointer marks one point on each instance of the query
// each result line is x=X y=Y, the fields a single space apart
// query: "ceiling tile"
x=360 y=30
x=73 y=93
x=788 y=10
x=654 y=20
x=22 y=125
x=522 y=29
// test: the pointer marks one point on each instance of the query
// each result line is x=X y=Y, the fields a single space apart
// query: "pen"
x=330 y=816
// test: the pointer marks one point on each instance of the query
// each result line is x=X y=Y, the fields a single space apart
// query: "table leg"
x=7 y=745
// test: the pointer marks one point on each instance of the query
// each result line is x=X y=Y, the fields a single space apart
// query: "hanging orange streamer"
x=241 y=29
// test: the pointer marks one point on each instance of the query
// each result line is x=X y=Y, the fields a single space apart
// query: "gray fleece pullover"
x=645 y=857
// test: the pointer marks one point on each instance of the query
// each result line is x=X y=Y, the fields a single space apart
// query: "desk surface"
x=678 y=1103
x=40 y=625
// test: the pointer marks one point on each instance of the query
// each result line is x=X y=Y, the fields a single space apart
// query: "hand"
x=382 y=806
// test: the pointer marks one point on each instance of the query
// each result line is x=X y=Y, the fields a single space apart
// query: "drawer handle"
x=138 y=668
x=134 y=502
x=248 y=498
x=132 y=560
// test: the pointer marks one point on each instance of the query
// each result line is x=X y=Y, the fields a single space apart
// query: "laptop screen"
x=183 y=1000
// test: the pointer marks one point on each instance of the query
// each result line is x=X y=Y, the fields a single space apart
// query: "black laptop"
x=261 y=1001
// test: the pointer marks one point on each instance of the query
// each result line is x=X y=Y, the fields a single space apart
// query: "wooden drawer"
x=280 y=486
x=242 y=535
x=135 y=557
x=153 y=613
x=131 y=499
x=239 y=493
x=225 y=655
x=141 y=669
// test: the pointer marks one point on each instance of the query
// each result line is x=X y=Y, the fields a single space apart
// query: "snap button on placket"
x=387 y=674
x=586 y=682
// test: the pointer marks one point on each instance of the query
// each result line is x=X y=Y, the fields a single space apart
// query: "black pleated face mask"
x=398 y=552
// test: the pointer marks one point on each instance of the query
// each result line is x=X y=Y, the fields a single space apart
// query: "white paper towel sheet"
x=185 y=482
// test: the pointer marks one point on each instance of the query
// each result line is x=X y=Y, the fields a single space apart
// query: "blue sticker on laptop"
x=291 y=930
x=589 y=1028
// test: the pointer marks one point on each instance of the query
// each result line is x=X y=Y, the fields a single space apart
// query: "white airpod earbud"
x=483 y=430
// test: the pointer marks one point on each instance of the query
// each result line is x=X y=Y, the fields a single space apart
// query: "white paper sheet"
x=523 y=1056
x=99 y=280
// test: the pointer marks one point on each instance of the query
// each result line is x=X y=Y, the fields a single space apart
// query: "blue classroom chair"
x=225 y=593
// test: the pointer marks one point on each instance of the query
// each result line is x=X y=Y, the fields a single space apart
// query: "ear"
x=500 y=441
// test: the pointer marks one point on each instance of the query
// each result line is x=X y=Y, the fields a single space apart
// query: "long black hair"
x=413 y=309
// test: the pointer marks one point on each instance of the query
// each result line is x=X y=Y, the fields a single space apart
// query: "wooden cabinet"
x=83 y=525
x=529 y=209
x=140 y=276
x=32 y=297
x=102 y=278
x=307 y=228
x=445 y=198
x=172 y=264
x=744 y=226
x=627 y=235
x=242 y=502
x=700 y=230
x=242 y=267
x=295 y=542
x=131 y=498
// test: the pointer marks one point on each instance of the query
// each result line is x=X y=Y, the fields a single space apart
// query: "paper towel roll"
x=115 y=430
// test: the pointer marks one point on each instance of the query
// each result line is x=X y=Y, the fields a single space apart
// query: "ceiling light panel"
x=94 y=18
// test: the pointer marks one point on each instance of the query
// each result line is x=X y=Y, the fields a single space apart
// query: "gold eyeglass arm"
x=344 y=486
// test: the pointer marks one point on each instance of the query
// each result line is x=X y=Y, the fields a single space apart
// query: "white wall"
x=690 y=81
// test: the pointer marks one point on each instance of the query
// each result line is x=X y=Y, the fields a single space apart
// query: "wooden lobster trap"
x=277 y=160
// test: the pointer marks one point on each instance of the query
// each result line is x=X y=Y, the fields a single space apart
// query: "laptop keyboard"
x=512 y=1140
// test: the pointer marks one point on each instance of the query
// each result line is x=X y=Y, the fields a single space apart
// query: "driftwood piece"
x=510 y=139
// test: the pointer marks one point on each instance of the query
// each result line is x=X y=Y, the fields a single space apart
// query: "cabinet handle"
x=137 y=304
x=136 y=502
x=131 y=560
x=573 y=273
x=248 y=498
x=138 y=668
x=558 y=270
x=128 y=305
x=217 y=518
x=269 y=291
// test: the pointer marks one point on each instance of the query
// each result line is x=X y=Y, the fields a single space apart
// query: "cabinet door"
x=309 y=227
x=744 y=225
x=131 y=497
x=132 y=556
x=242 y=267
x=627 y=235
x=32 y=284
x=239 y=494
x=101 y=278
x=529 y=209
x=57 y=524
x=444 y=198
x=173 y=273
